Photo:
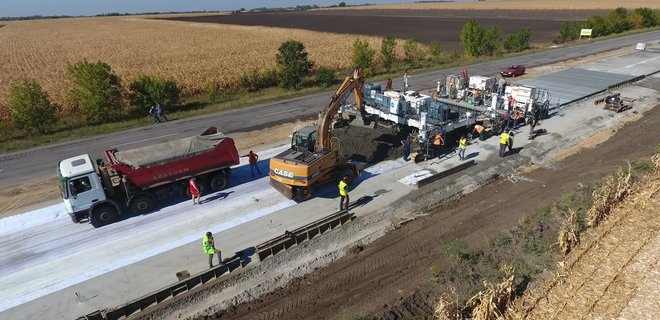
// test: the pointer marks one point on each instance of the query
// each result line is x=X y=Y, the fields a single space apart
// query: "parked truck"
x=99 y=191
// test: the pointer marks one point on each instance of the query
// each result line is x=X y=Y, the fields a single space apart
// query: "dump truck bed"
x=166 y=162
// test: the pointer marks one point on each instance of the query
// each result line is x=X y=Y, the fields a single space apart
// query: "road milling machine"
x=314 y=157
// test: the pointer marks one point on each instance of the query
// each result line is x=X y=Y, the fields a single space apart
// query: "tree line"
x=97 y=92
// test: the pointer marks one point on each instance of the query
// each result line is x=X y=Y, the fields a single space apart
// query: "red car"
x=513 y=71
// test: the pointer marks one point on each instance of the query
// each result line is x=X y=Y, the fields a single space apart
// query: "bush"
x=211 y=91
x=363 y=55
x=437 y=52
x=146 y=91
x=519 y=41
x=30 y=108
x=96 y=91
x=325 y=77
x=256 y=80
x=388 y=52
x=478 y=41
x=413 y=53
x=569 y=31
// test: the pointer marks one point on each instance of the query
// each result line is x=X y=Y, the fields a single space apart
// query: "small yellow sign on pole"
x=585 y=33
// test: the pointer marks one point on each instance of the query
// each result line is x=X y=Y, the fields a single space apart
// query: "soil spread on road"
x=368 y=144
x=389 y=278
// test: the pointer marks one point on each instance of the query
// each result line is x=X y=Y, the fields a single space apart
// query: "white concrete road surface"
x=51 y=268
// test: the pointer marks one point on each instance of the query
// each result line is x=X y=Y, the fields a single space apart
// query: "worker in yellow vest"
x=209 y=248
x=343 y=193
x=462 y=145
x=504 y=142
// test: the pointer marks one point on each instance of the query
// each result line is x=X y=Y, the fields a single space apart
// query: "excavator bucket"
x=285 y=190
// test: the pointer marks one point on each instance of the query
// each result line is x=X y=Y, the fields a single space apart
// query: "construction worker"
x=517 y=115
x=462 y=145
x=253 y=159
x=504 y=142
x=343 y=193
x=500 y=86
x=510 y=102
x=388 y=85
x=209 y=248
x=406 y=148
x=438 y=142
x=510 y=143
x=195 y=193
x=480 y=130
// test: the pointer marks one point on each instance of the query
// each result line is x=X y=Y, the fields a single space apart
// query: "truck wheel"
x=219 y=182
x=142 y=204
x=103 y=214
x=302 y=194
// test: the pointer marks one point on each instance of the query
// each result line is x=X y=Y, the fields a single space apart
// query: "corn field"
x=196 y=55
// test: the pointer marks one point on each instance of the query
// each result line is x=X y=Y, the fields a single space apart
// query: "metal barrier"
x=445 y=173
x=264 y=250
x=154 y=298
x=293 y=238
x=623 y=83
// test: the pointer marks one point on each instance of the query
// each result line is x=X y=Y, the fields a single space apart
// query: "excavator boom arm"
x=354 y=82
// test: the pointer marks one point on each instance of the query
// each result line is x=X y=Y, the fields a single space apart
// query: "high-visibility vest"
x=438 y=140
x=343 y=188
x=208 y=245
x=517 y=114
x=462 y=143
x=504 y=138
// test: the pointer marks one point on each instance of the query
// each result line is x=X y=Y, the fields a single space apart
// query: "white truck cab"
x=80 y=185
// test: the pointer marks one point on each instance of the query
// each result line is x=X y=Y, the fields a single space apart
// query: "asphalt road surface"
x=40 y=162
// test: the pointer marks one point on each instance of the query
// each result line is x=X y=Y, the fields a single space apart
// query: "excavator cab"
x=304 y=140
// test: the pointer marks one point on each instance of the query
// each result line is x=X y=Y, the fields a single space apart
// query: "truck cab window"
x=80 y=185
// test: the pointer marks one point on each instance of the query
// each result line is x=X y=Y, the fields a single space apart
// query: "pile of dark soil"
x=370 y=145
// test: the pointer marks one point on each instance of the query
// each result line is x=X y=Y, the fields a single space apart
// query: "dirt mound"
x=370 y=145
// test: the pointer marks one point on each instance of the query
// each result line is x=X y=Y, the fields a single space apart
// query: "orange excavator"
x=314 y=158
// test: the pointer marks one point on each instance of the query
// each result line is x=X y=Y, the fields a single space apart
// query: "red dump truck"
x=137 y=179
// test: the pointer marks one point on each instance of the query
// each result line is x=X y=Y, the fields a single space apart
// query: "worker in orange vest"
x=438 y=142
x=480 y=130
x=517 y=115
